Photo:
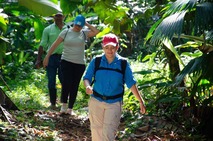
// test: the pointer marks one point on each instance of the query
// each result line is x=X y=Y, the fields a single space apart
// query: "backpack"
x=122 y=71
x=97 y=67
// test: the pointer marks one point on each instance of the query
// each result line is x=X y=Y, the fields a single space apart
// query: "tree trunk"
x=173 y=64
x=175 y=70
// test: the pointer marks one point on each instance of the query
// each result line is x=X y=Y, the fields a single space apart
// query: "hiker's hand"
x=142 y=108
x=38 y=64
x=45 y=62
x=89 y=90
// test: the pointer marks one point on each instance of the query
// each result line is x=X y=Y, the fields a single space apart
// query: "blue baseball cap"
x=79 y=20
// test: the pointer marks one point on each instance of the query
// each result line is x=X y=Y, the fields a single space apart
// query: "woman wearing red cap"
x=72 y=59
x=105 y=104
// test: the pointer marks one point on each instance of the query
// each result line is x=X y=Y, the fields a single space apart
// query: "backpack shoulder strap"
x=97 y=66
x=85 y=38
x=123 y=69
x=97 y=63
x=68 y=27
x=123 y=66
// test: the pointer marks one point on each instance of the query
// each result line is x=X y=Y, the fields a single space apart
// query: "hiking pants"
x=72 y=74
x=53 y=69
x=104 y=119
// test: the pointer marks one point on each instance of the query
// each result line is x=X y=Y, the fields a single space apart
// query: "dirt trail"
x=77 y=128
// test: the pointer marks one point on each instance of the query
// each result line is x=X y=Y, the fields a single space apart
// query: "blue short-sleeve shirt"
x=108 y=82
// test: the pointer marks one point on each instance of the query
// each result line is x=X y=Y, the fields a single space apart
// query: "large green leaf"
x=204 y=17
x=39 y=27
x=68 y=6
x=172 y=25
x=113 y=15
x=174 y=17
x=41 y=7
x=180 y=5
x=3 y=22
x=169 y=45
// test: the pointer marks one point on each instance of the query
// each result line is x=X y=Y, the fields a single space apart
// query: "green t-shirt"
x=50 y=34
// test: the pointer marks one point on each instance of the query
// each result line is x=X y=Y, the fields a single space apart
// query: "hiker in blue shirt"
x=105 y=104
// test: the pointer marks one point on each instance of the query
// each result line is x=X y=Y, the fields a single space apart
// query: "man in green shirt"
x=50 y=34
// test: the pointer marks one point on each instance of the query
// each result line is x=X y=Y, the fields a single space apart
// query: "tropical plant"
x=185 y=31
x=3 y=40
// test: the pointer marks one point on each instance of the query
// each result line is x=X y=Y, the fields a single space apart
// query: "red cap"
x=110 y=39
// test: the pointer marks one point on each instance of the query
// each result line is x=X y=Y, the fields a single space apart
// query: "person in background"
x=49 y=35
x=105 y=104
x=72 y=60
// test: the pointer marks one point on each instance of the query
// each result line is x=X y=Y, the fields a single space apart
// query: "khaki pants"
x=104 y=119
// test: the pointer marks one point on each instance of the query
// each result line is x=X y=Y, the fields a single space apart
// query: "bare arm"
x=38 y=63
x=93 y=30
x=135 y=91
x=51 y=50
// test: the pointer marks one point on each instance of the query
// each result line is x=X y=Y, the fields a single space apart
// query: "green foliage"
x=173 y=20
x=3 y=39
x=131 y=21
x=3 y=22
x=199 y=67
x=30 y=93
x=3 y=51
x=175 y=23
x=114 y=16
x=18 y=67
x=68 y=6
x=131 y=124
x=39 y=27
x=41 y=7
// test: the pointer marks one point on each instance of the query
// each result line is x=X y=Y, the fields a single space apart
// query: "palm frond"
x=193 y=66
x=168 y=27
x=180 y=5
x=190 y=37
x=152 y=29
x=204 y=16
x=199 y=66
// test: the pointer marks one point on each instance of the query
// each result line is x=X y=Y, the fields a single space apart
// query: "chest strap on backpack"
x=97 y=67
x=107 y=97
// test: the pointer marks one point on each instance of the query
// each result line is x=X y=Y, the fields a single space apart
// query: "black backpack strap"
x=123 y=66
x=68 y=27
x=123 y=69
x=97 y=64
x=85 y=37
